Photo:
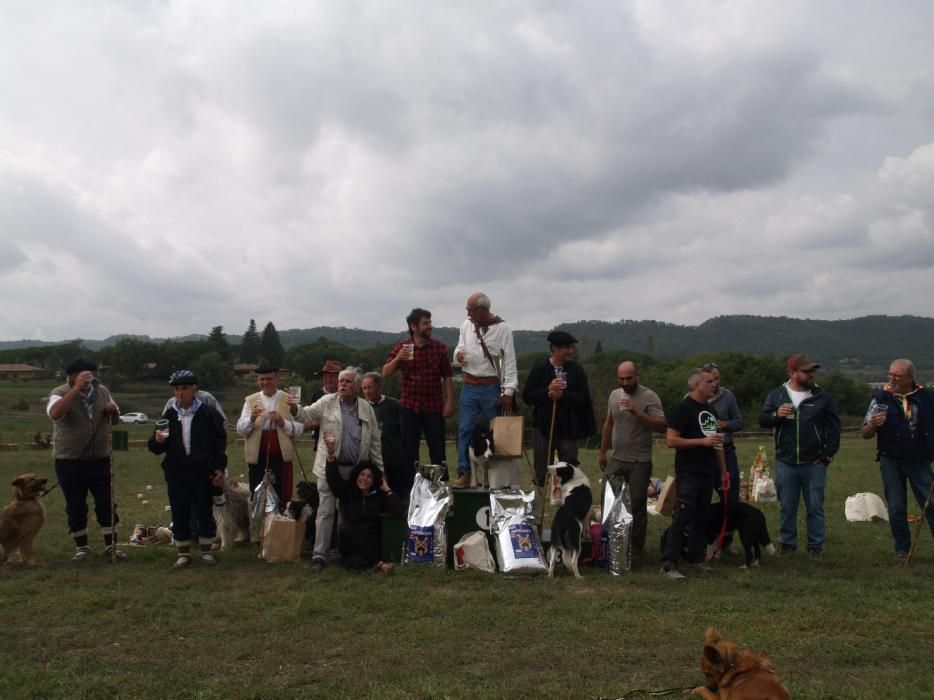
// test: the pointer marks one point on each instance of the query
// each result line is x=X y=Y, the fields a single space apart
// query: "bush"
x=21 y=404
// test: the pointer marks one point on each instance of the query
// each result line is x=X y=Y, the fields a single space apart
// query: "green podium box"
x=470 y=512
x=120 y=440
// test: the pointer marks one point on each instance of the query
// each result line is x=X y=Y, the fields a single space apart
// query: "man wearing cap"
x=487 y=356
x=268 y=430
x=559 y=395
x=807 y=436
x=426 y=370
x=349 y=436
x=634 y=412
x=329 y=372
x=195 y=449
x=82 y=412
x=901 y=417
x=205 y=397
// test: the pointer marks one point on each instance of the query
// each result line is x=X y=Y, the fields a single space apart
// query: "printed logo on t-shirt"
x=709 y=424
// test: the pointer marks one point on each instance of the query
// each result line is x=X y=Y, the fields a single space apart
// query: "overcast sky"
x=166 y=167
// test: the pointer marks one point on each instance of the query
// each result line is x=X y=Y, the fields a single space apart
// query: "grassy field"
x=853 y=626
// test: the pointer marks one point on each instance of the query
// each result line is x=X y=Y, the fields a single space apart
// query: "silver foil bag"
x=617 y=525
x=427 y=542
x=518 y=548
x=265 y=502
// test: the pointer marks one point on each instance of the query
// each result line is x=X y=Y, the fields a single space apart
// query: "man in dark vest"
x=82 y=412
x=901 y=416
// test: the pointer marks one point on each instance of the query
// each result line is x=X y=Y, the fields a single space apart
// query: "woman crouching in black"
x=363 y=498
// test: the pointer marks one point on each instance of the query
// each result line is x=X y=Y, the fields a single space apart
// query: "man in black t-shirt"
x=693 y=431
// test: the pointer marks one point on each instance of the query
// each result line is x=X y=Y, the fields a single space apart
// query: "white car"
x=134 y=418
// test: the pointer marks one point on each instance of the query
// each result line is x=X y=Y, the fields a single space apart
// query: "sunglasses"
x=809 y=371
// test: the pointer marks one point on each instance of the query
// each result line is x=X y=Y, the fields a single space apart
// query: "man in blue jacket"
x=901 y=416
x=807 y=436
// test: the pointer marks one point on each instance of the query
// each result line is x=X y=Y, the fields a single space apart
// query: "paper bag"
x=668 y=498
x=507 y=435
x=282 y=538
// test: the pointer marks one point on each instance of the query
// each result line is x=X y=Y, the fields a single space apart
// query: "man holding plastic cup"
x=807 y=436
x=901 y=417
x=634 y=412
x=268 y=429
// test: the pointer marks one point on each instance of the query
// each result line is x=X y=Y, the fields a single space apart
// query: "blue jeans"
x=476 y=400
x=894 y=474
x=791 y=481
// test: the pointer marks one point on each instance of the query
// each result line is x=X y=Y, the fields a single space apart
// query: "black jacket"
x=361 y=523
x=894 y=438
x=208 y=444
x=813 y=434
x=574 y=419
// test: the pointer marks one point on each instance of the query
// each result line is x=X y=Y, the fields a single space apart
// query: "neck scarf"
x=903 y=399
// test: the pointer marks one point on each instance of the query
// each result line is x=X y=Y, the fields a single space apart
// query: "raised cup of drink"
x=296 y=393
x=408 y=351
x=162 y=427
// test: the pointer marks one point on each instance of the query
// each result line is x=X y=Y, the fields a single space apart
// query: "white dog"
x=233 y=518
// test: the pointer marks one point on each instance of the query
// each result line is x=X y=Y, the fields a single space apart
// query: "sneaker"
x=112 y=553
x=220 y=500
x=901 y=556
x=81 y=554
x=317 y=565
x=384 y=567
x=671 y=572
x=461 y=482
x=183 y=562
x=815 y=554
x=785 y=550
x=208 y=559
x=703 y=567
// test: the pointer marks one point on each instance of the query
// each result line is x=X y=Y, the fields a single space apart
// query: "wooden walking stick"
x=911 y=552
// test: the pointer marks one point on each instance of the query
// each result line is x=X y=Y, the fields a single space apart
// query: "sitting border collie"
x=305 y=508
x=480 y=452
x=749 y=521
x=568 y=524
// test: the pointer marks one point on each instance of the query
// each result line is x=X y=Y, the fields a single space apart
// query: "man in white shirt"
x=486 y=354
x=269 y=431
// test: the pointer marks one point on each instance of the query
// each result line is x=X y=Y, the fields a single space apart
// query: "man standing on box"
x=634 y=412
x=82 y=412
x=487 y=356
x=901 y=416
x=562 y=412
x=195 y=447
x=807 y=436
x=268 y=430
x=426 y=369
x=389 y=418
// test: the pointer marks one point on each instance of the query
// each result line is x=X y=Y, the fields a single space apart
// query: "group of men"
x=355 y=422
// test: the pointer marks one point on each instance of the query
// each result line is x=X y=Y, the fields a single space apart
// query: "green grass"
x=852 y=626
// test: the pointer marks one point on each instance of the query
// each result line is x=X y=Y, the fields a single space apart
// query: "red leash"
x=725 y=500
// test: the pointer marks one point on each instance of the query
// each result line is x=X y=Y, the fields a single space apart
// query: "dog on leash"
x=480 y=452
x=21 y=521
x=233 y=518
x=736 y=675
x=748 y=521
x=568 y=523
x=305 y=508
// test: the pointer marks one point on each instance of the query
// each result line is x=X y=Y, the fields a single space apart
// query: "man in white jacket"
x=349 y=435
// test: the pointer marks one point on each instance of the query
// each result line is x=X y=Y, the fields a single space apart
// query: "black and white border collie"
x=480 y=452
x=568 y=524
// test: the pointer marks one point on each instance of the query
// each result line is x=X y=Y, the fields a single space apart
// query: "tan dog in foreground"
x=21 y=521
x=733 y=675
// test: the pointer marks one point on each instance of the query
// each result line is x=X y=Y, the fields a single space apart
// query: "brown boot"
x=462 y=481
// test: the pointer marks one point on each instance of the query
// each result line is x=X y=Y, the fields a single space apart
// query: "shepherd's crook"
x=911 y=552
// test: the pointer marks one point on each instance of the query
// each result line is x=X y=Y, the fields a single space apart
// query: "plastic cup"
x=162 y=427
x=409 y=349
x=296 y=393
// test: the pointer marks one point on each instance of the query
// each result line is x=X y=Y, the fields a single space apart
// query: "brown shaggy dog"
x=21 y=521
x=733 y=675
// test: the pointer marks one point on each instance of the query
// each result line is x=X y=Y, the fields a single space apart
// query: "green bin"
x=120 y=440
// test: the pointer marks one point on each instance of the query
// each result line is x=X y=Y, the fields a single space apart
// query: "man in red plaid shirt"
x=425 y=369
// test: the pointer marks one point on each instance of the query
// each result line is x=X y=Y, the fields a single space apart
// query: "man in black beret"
x=195 y=449
x=559 y=395
x=268 y=430
x=82 y=412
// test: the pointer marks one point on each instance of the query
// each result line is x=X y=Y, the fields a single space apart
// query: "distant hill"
x=848 y=344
